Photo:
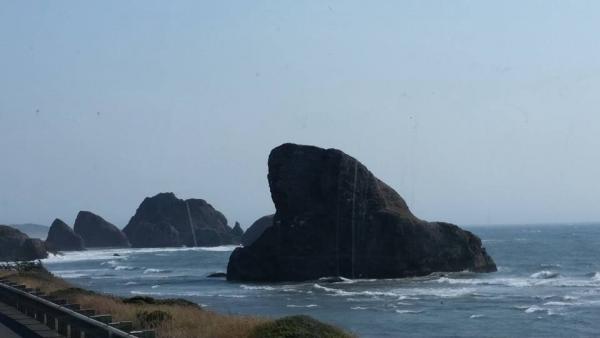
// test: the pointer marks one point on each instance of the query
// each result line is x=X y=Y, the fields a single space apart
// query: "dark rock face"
x=62 y=238
x=335 y=218
x=237 y=231
x=97 y=233
x=164 y=220
x=15 y=245
x=256 y=229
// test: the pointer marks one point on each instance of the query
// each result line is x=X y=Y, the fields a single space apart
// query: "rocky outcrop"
x=16 y=246
x=237 y=232
x=62 y=238
x=335 y=218
x=256 y=229
x=98 y=233
x=167 y=221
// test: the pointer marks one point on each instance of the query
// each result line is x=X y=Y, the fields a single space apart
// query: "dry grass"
x=187 y=320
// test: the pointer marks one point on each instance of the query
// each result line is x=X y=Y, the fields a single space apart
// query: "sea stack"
x=335 y=218
x=256 y=229
x=62 y=238
x=97 y=232
x=167 y=221
x=237 y=232
x=17 y=246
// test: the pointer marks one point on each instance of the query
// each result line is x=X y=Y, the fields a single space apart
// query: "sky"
x=476 y=112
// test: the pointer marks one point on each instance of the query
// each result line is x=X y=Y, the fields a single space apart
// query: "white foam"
x=475 y=316
x=109 y=254
x=534 y=308
x=257 y=287
x=302 y=306
x=155 y=286
x=147 y=271
x=126 y=268
x=409 y=311
x=358 y=308
x=401 y=292
x=545 y=274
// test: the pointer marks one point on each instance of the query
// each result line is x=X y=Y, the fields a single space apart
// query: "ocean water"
x=548 y=284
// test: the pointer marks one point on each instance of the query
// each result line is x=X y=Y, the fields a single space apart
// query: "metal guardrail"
x=68 y=320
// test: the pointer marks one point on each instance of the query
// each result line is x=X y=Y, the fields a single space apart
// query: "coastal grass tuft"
x=174 y=318
x=297 y=327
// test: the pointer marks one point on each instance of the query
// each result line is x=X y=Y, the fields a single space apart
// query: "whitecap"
x=257 y=287
x=131 y=283
x=358 y=308
x=545 y=274
x=475 y=316
x=155 y=286
x=409 y=311
x=126 y=268
x=301 y=306
x=534 y=308
x=147 y=271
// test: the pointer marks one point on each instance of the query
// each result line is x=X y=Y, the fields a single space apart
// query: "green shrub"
x=152 y=319
x=297 y=327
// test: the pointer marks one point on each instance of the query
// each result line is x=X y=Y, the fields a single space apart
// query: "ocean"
x=547 y=284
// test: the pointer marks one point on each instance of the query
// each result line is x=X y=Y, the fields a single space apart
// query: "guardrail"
x=68 y=320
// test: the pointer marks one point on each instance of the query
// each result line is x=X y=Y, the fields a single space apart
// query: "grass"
x=174 y=318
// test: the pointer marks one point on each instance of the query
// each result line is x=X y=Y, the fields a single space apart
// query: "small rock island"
x=167 y=221
x=97 y=232
x=62 y=238
x=335 y=218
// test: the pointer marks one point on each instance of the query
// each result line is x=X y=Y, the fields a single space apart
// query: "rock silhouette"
x=97 y=232
x=335 y=218
x=62 y=238
x=256 y=229
x=166 y=221
x=16 y=246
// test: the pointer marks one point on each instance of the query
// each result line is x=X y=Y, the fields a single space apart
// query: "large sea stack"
x=167 y=221
x=98 y=233
x=62 y=238
x=256 y=229
x=16 y=246
x=335 y=218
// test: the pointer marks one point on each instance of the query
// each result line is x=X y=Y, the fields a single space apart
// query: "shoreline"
x=172 y=318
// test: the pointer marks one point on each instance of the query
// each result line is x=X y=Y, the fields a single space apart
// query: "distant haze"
x=475 y=112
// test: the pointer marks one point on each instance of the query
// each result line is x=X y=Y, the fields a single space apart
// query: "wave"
x=409 y=311
x=545 y=274
x=402 y=293
x=257 y=287
x=147 y=271
x=476 y=316
x=359 y=308
x=126 y=268
x=302 y=306
x=109 y=254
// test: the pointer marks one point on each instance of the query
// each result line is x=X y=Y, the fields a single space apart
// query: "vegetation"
x=172 y=318
x=297 y=327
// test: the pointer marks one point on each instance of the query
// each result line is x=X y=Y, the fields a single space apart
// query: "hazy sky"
x=475 y=112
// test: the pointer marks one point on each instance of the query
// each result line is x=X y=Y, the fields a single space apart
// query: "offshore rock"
x=335 y=218
x=62 y=238
x=97 y=232
x=256 y=229
x=16 y=246
x=167 y=221
x=237 y=232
